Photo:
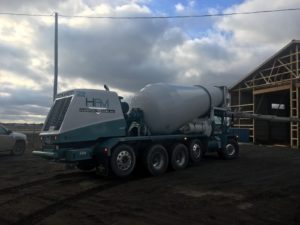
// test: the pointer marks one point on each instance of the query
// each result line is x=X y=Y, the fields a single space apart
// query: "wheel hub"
x=230 y=149
x=196 y=151
x=124 y=160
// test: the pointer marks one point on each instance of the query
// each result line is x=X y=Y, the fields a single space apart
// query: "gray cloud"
x=17 y=59
x=24 y=104
x=23 y=96
x=127 y=55
x=30 y=5
x=120 y=53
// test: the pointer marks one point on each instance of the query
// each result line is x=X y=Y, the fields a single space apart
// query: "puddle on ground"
x=200 y=194
x=245 y=205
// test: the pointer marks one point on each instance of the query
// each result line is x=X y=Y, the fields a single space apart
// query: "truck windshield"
x=57 y=114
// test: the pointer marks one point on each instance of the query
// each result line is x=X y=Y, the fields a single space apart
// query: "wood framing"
x=280 y=73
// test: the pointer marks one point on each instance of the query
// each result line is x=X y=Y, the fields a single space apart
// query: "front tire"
x=123 y=160
x=19 y=148
x=230 y=151
x=156 y=160
x=179 y=157
x=196 y=151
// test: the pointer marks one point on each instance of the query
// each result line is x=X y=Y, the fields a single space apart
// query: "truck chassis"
x=156 y=153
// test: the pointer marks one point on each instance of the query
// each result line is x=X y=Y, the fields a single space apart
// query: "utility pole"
x=55 y=57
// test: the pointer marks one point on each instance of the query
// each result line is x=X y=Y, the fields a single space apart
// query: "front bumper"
x=46 y=154
x=69 y=155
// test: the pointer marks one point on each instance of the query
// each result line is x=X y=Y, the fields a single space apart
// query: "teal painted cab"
x=115 y=128
x=77 y=121
x=85 y=115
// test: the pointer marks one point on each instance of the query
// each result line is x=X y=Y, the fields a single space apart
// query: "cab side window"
x=218 y=124
x=3 y=131
x=218 y=120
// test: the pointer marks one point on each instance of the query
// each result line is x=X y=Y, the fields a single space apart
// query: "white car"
x=12 y=141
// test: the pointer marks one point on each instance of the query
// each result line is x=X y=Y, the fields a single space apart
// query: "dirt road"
x=261 y=187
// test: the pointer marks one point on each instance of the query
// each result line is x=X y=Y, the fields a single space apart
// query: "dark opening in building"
x=273 y=103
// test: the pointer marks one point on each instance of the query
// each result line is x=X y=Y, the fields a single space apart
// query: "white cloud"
x=5 y=94
x=128 y=54
x=132 y=9
x=273 y=28
x=15 y=32
x=179 y=7
x=192 y=3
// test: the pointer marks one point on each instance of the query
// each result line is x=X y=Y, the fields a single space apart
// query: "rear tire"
x=196 y=151
x=19 y=148
x=123 y=160
x=156 y=160
x=230 y=151
x=179 y=157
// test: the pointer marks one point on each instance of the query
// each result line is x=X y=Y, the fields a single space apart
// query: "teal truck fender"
x=105 y=147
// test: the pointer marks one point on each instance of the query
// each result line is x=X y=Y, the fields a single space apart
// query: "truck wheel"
x=179 y=157
x=196 y=150
x=86 y=165
x=230 y=151
x=123 y=160
x=156 y=160
x=19 y=148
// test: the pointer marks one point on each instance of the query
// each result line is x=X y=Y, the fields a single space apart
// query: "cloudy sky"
x=128 y=54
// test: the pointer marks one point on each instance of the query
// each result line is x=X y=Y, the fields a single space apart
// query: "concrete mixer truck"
x=165 y=126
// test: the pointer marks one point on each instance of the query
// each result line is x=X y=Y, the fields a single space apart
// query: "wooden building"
x=271 y=89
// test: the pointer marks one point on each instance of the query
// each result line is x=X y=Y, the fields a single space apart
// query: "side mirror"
x=232 y=120
x=9 y=132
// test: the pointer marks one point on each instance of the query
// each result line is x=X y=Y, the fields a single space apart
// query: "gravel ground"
x=261 y=187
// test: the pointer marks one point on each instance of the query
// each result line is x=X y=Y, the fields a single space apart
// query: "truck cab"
x=222 y=140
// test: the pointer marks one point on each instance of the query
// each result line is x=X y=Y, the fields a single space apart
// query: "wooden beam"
x=271 y=89
x=287 y=68
x=261 y=74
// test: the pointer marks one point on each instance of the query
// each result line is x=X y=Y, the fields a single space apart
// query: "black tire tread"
x=222 y=152
x=192 y=158
x=113 y=165
x=147 y=159
x=173 y=163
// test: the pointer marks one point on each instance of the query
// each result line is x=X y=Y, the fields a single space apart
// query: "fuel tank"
x=168 y=107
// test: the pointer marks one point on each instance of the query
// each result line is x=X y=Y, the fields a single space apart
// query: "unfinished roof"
x=282 y=65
